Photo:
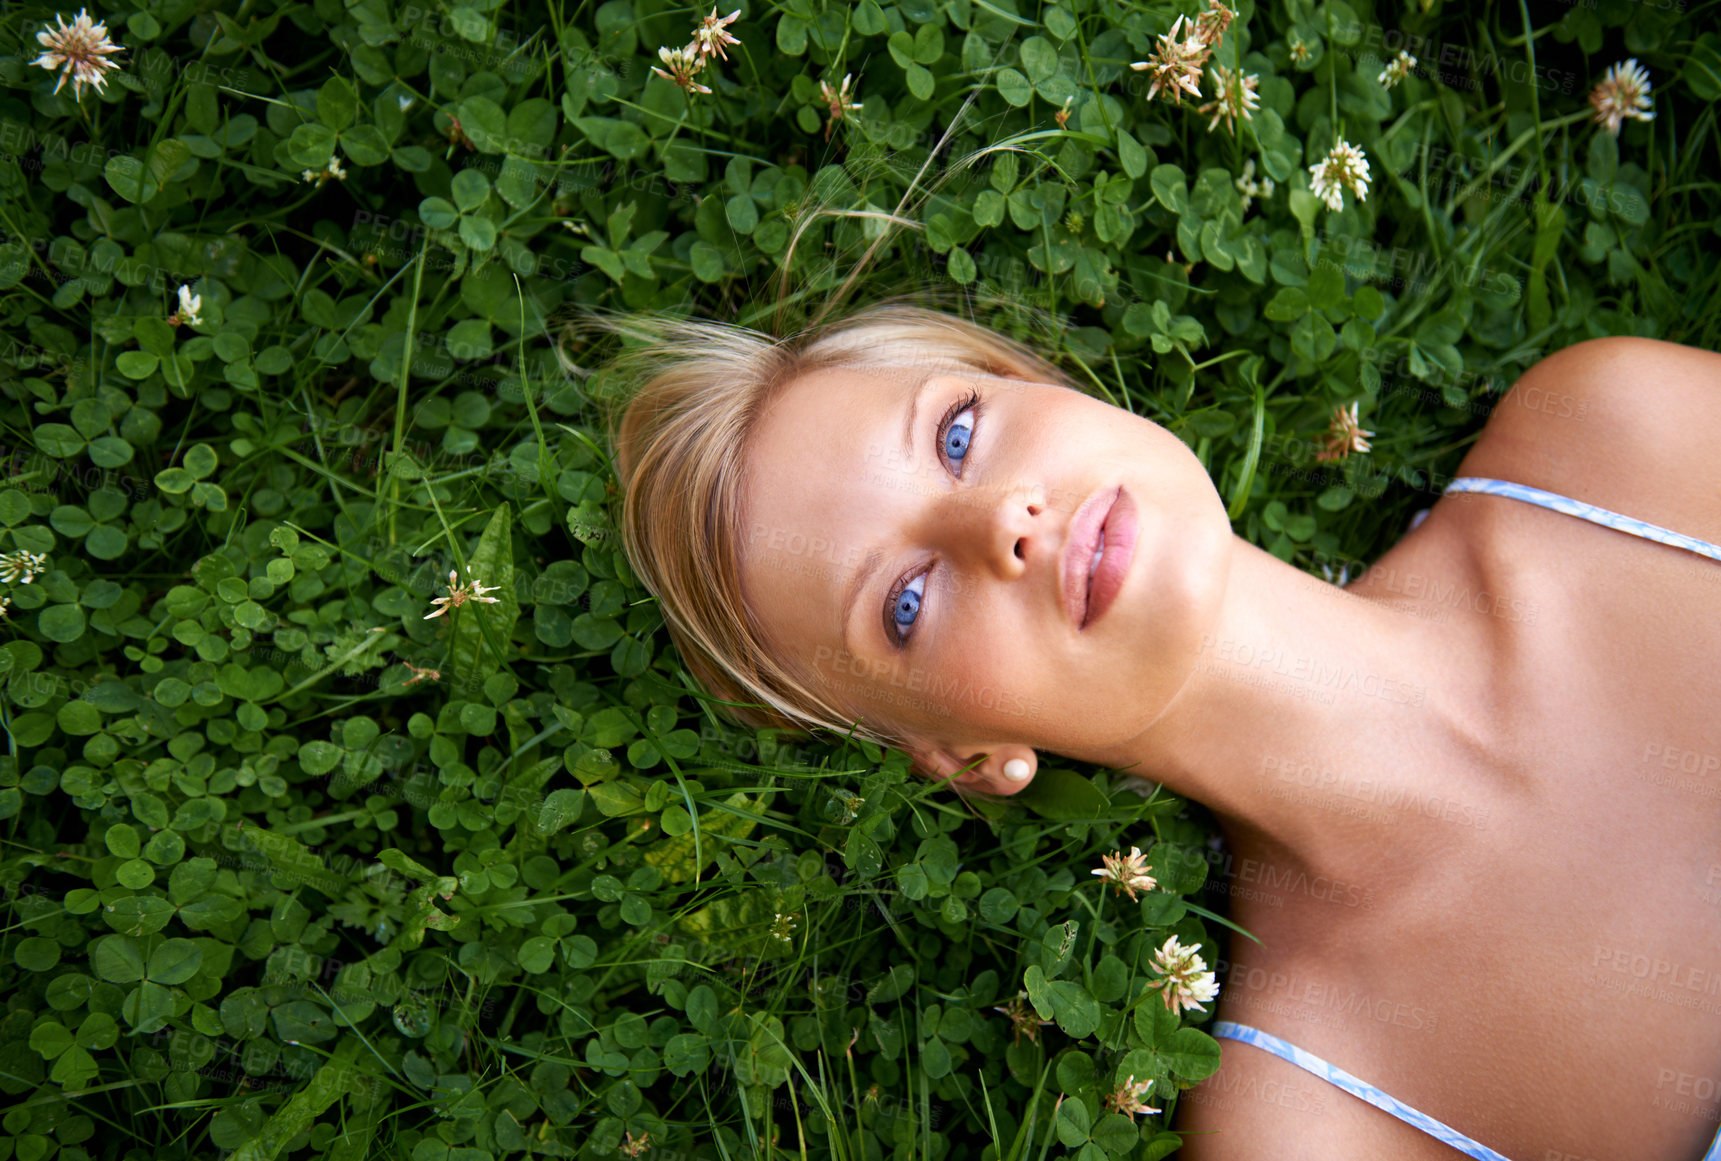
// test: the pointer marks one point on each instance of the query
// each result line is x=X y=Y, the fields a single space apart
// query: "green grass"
x=273 y=890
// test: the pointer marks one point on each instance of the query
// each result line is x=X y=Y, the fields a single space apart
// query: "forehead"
x=841 y=452
x=816 y=446
x=823 y=484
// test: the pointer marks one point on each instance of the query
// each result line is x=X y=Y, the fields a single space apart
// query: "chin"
x=1175 y=594
x=1202 y=571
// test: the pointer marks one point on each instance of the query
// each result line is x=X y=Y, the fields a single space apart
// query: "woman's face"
x=954 y=536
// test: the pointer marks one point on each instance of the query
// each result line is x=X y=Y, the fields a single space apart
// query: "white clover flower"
x=1176 y=65
x=1250 y=188
x=1235 y=97
x=333 y=169
x=459 y=594
x=1343 y=166
x=1397 y=69
x=838 y=101
x=189 y=305
x=79 y=52
x=21 y=567
x=419 y=675
x=1127 y=1097
x=1345 y=435
x=1128 y=872
x=1622 y=92
x=1023 y=1019
x=712 y=34
x=1186 y=982
x=683 y=64
x=1210 y=26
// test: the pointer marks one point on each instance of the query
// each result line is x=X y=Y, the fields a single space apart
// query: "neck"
x=1302 y=703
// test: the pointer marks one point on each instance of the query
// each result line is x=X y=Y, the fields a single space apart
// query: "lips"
x=1112 y=557
x=1097 y=554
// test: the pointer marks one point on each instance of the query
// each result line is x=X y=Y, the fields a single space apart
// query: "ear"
x=980 y=768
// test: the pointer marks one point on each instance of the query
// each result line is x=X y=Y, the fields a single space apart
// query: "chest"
x=1531 y=951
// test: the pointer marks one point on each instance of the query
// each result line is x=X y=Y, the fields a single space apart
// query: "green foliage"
x=292 y=868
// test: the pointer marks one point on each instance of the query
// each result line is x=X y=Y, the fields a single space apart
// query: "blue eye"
x=954 y=438
x=907 y=604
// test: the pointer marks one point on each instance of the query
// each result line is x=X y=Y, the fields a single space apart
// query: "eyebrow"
x=874 y=559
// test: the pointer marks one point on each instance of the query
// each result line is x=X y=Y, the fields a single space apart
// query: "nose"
x=999 y=529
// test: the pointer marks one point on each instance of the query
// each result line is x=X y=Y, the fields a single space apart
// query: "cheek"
x=1094 y=441
x=1183 y=588
x=987 y=674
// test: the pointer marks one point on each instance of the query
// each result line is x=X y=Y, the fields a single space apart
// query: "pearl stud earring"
x=1016 y=770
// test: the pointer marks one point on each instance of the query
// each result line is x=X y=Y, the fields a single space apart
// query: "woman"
x=1476 y=790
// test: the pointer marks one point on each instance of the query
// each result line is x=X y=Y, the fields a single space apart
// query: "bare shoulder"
x=1624 y=423
x=1258 y=1107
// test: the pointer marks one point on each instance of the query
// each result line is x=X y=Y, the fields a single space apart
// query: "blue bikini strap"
x=1357 y=1088
x=1590 y=512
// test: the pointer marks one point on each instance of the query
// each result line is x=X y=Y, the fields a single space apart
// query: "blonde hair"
x=683 y=401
